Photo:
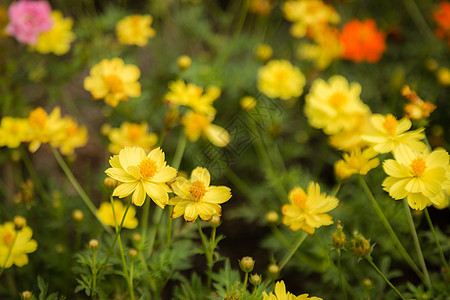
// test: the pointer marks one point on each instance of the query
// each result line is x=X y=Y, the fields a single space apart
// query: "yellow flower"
x=131 y=135
x=281 y=294
x=13 y=131
x=334 y=106
x=280 y=79
x=195 y=197
x=69 y=136
x=114 y=81
x=350 y=139
x=388 y=134
x=192 y=96
x=108 y=217
x=356 y=163
x=308 y=211
x=263 y=52
x=196 y=124
x=135 y=30
x=418 y=176
x=141 y=174
x=443 y=76
x=57 y=40
x=247 y=103
x=21 y=244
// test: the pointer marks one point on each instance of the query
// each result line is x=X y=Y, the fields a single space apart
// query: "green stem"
x=152 y=235
x=78 y=188
x=94 y=273
x=297 y=244
x=9 y=253
x=179 y=151
x=369 y=259
x=418 y=18
x=208 y=255
x=169 y=228
x=441 y=253
x=341 y=278
x=389 y=229
x=412 y=228
x=245 y=281
x=36 y=180
x=144 y=220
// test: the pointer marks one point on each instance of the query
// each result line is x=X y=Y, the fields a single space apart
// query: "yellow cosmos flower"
x=192 y=96
x=356 y=162
x=418 y=176
x=140 y=174
x=388 y=134
x=334 y=106
x=131 y=135
x=308 y=211
x=135 y=30
x=108 y=217
x=113 y=81
x=350 y=139
x=13 y=131
x=21 y=244
x=280 y=79
x=69 y=136
x=57 y=40
x=195 y=197
x=281 y=294
x=196 y=124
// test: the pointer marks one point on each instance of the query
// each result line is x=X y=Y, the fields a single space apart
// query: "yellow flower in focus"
x=140 y=174
x=281 y=294
x=280 y=79
x=356 y=162
x=418 y=176
x=196 y=197
x=388 y=134
x=13 y=131
x=69 y=136
x=334 y=106
x=192 y=96
x=43 y=127
x=108 y=217
x=113 y=81
x=308 y=14
x=131 y=135
x=196 y=124
x=308 y=211
x=21 y=244
x=56 y=40
x=135 y=30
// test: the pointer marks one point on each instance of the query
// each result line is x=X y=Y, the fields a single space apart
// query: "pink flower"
x=28 y=19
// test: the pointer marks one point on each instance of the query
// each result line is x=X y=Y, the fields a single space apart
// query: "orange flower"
x=362 y=42
x=442 y=17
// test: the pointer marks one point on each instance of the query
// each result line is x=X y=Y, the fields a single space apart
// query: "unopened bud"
x=110 y=183
x=273 y=270
x=26 y=295
x=59 y=248
x=263 y=52
x=184 y=62
x=247 y=103
x=171 y=117
x=255 y=279
x=19 y=222
x=215 y=221
x=272 y=217
x=247 y=263
x=367 y=282
x=133 y=253
x=93 y=244
x=339 y=238
x=361 y=246
x=137 y=237
x=77 y=215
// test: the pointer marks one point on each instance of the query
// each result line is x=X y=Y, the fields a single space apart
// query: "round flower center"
x=14 y=129
x=8 y=238
x=299 y=199
x=147 y=168
x=38 y=117
x=338 y=99
x=114 y=83
x=418 y=166
x=390 y=124
x=197 y=190
x=72 y=130
x=134 y=132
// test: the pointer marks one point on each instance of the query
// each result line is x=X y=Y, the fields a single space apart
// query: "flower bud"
x=184 y=62
x=339 y=238
x=255 y=279
x=272 y=217
x=19 y=222
x=132 y=253
x=247 y=263
x=171 y=117
x=110 y=183
x=93 y=244
x=26 y=295
x=263 y=52
x=367 y=283
x=273 y=270
x=77 y=215
x=59 y=248
x=215 y=221
x=361 y=246
x=136 y=237
x=247 y=103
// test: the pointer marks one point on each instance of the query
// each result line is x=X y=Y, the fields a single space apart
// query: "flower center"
x=390 y=124
x=134 y=132
x=299 y=199
x=147 y=168
x=338 y=99
x=418 y=166
x=197 y=190
x=38 y=117
x=8 y=238
x=71 y=130
x=114 y=83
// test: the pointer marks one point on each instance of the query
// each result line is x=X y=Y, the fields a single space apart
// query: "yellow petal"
x=125 y=189
x=217 y=135
x=165 y=174
x=157 y=192
x=139 y=195
x=158 y=156
x=201 y=174
x=119 y=175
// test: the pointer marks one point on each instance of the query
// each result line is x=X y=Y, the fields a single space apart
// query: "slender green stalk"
x=441 y=253
x=153 y=230
x=208 y=253
x=169 y=228
x=336 y=189
x=301 y=237
x=369 y=259
x=412 y=228
x=245 y=281
x=179 y=151
x=418 y=18
x=9 y=253
x=78 y=188
x=36 y=180
x=389 y=229
x=144 y=220
x=341 y=278
x=94 y=273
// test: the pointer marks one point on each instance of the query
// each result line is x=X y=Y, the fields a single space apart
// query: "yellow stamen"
x=114 y=83
x=38 y=117
x=338 y=99
x=147 y=168
x=299 y=199
x=8 y=238
x=197 y=190
x=72 y=129
x=390 y=124
x=134 y=132
x=418 y=166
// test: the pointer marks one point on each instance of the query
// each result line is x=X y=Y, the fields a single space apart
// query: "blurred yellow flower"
x=108 y=217
x=113 y=81
x=196 y=197
x=184 y=62
x=248 y=102
x=443 y=76
x=350 y=139
x=13 y=131
x=140 y=174
x=196 y=124
x=21 y=244
x=56 y=40
x=263 y=52
x=416 y=109
x=280 y=79
x=192 y=96
x=131 y=135
x=135 y=30
x=308 y=211
x=357 y=162
x=70 y=136
x=388 y=134
x=334 y=106
x=418 y=176
x=281 y=294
